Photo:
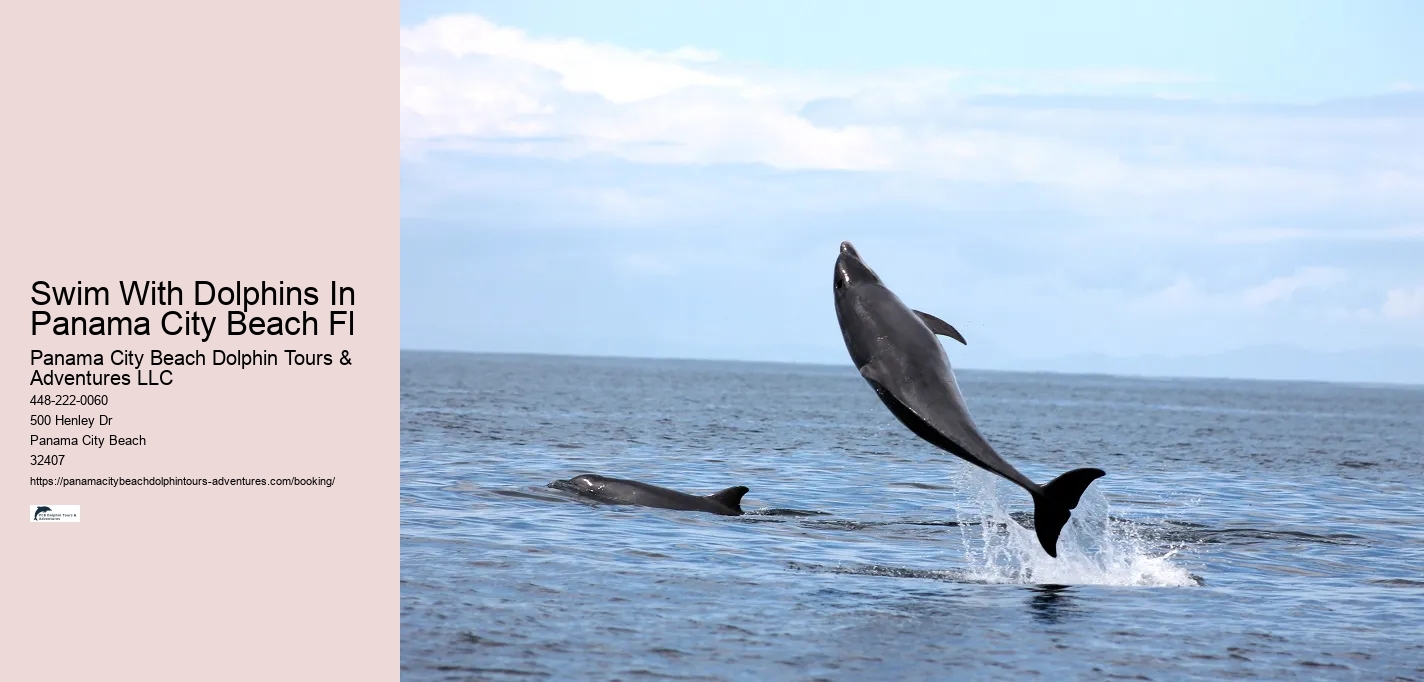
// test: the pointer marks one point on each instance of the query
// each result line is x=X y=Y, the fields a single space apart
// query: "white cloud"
x=464 y=77
x=1282 y=288
x=1359 y=233
x=1181 y=296
x=1090 y=138
x=614 y=73
x=1404 y=303
x=485 y=86
x=1185 y=297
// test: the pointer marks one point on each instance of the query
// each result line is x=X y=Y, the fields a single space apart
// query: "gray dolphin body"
x=896 y=351
x=622 y=491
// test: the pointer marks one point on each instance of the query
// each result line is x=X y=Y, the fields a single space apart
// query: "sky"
x=1213 y=189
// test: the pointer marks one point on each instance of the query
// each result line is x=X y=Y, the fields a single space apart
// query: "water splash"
x=1092 y=550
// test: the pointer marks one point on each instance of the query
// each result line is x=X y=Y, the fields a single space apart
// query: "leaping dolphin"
x=896 y=351
x=622 y=491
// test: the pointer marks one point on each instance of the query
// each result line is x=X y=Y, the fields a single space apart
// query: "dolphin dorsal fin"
x=731 y=497
x=941 y=327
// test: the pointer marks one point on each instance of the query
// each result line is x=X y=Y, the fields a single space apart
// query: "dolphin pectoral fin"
x=941 y=327
x=872 y=373
x=881 y=381
x=731 y=497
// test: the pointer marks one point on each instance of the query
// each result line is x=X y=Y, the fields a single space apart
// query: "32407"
x=37 y=460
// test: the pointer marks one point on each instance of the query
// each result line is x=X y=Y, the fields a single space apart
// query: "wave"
x=1092 y=550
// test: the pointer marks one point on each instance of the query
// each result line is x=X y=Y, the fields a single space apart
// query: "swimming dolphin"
x=896 y=351
x=622 y=491
x=40 y=510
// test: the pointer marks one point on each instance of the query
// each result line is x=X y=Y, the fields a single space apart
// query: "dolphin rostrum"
x=622 y=491
x=896 y=351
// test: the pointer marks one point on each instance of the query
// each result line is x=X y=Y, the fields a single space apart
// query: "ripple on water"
x=865 y=554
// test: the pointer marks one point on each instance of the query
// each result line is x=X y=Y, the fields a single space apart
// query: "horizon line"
x=1363 y=384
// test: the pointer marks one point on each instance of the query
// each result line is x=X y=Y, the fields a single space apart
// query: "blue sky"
x=1070 y=184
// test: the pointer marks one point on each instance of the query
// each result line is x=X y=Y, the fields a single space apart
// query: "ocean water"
x=1245 y=529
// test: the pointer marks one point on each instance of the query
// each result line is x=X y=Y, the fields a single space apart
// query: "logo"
x=61 y=513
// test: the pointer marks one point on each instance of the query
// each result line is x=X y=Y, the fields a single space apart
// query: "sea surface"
x=1245 y=529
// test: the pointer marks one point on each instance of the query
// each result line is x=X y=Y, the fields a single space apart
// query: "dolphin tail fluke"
x=1054 y=505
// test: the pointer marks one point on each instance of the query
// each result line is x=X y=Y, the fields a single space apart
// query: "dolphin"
x=895 y=349
x=622 y=491
x=40 y=510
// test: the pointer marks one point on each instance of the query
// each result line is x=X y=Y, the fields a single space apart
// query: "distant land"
x=1387 y=365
